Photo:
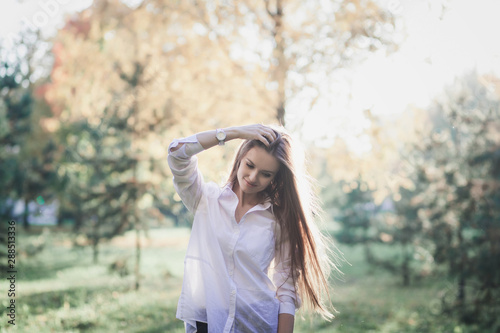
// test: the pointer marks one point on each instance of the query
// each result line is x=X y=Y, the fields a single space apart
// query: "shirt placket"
x=232 y=296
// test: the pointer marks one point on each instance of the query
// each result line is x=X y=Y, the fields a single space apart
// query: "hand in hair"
x=259 y=132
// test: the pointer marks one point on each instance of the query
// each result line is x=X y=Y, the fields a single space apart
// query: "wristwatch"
x=221 y=136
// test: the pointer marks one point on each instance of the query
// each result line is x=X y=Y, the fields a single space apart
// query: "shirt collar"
x=228 y=190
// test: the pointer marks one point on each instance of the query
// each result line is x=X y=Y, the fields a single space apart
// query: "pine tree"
x=459 y=211
x=356 y=211
x=15 y=110
x=29 y=153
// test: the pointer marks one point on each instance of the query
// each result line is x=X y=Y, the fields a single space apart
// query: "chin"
x=247 y=189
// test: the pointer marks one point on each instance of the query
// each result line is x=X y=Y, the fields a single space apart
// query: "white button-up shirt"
x=235 y=278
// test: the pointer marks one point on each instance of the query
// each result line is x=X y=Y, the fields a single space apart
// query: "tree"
x=143 y=75
x=28 y=151
x=119 y=108
x=459 y=165
x=8 y=161
x=401 y=229
x=15 y=108
x=393 y=223
x=356 y=211
x=298 y=44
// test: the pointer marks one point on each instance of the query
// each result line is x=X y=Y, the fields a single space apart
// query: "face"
x=256 y=171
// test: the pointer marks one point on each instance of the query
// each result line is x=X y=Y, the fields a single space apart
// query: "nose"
x=253 y=177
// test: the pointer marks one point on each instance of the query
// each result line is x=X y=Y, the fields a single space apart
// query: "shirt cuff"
x=287 y=305
x=191 y=147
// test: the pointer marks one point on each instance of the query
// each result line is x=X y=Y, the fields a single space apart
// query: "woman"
x=253 y=252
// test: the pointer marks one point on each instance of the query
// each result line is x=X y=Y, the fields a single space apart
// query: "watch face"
x=221 y=135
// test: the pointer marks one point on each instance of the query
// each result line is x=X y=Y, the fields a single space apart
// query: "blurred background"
x=395 y=101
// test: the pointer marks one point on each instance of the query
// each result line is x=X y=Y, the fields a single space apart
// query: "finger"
x=273 y=136
x=270 y=135
x=264 y=140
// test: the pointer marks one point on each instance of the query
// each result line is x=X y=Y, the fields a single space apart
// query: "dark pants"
x=201 y=327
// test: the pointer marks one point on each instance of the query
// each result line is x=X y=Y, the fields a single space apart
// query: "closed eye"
x=250 y=166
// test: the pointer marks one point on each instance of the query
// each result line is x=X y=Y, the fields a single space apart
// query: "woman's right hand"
x=263 y=133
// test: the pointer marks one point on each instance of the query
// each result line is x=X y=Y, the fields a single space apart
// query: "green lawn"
x=61 y=290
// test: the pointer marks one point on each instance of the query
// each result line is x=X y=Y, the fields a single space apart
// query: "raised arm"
x=263 y=133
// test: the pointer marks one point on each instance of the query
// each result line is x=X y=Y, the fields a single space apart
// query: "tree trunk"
x=59 y=219
x=78 y=219
x=95 y=241
x=405 y=267
x=137 y=257
x=281 y=67
x=26 y=213
x=95 y=251
x=369 y=258
x=461 y=296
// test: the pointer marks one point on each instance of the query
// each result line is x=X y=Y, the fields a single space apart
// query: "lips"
x=249 y=184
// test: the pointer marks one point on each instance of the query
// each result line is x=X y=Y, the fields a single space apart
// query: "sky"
x=44 y=14
x=441 y=45
x=443 y=40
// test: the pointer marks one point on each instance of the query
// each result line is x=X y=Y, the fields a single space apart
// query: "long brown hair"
x=295 y=206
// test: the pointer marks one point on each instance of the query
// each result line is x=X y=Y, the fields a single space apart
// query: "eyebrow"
x=249 y=160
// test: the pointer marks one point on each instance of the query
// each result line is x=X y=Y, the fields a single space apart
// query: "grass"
x=61 y=290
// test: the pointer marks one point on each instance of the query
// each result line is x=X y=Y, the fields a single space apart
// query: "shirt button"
x=233 y=292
